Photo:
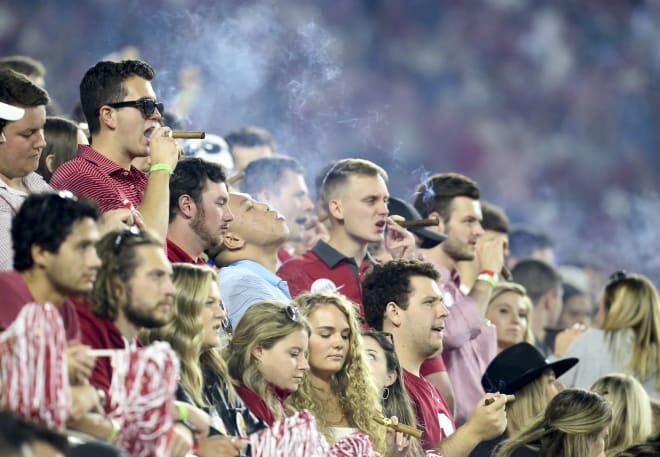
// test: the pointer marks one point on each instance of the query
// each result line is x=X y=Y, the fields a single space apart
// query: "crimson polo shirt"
x=325 y=262
x=177 y=255
x=92 y=175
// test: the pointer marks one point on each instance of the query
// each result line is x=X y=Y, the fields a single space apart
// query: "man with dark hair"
x=529 y=244
x=402 y=297
x=19 y=153
x=470 y=342
x=123 y=116
x=355 y=195
x=248 y=256
x=247 y=144
x=496 y=225
x=280 y=181
x=54 y=257
x=199 y=214
x=544 y=287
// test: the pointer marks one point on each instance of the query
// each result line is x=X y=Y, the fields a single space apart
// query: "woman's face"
x=552 y=386
x=508 y=313
x=330 y=340
x=378 y=364
x=285 y=363
x=212 y=315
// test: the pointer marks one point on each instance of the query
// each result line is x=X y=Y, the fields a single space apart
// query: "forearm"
x=155 y=204
x=480 y=293
x=458 y=444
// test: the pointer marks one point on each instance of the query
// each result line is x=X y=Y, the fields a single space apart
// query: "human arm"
x=490 y=257
x=485 y=422
x=154 y=207
x=80 y=363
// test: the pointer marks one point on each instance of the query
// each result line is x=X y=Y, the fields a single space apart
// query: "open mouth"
x=149 y=131
x=438 y=329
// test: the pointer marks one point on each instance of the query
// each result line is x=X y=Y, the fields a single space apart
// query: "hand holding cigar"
x=403 y=428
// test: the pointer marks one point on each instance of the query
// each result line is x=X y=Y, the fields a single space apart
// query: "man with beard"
x=199 y=211
x=134 y=290
x=402 y=297
x=124 y=119
x=470 y=342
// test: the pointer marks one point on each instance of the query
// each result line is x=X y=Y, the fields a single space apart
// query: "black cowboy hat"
x=404 y=209
x=515 y=367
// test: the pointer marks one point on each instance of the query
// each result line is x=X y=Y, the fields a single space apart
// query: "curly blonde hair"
x=353 y=385
x=185 y=330
x=263 y=324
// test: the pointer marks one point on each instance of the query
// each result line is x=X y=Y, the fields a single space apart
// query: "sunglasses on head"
x=132 y=232
x=292 y=313
x=146 y=105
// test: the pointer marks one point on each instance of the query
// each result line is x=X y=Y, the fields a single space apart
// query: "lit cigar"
x=509 y=399
x=237 y=177
x=418 y=223
x=505 y=273
x=403 y=428
x=188 y=134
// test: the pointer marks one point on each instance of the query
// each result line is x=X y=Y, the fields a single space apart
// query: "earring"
x=386 y=393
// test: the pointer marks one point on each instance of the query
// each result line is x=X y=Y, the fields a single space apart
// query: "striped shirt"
x=92 y=175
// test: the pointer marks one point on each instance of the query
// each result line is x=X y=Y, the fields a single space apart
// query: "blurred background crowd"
x=550 y=106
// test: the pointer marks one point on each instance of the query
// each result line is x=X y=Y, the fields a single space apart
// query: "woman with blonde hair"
x=627 y=339
x=574 y=425
x=521 y=370
x=339 y=390
x=267 y=357
x=510 y=309
x=193 y=331
x=631 y=407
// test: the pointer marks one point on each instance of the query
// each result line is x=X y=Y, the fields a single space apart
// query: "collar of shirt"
x=331 y=257
x=106 y=165
x=177 y=255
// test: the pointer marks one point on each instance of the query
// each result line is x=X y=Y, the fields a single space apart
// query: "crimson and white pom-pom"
x=354 y=445
x=295 y=436
x=33 y=366
x=141 y=393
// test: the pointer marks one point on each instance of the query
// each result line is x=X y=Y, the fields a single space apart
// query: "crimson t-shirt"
x=431 y=410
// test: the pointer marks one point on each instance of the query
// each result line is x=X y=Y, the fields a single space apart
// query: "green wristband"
x=183 y=411
x=161 y=166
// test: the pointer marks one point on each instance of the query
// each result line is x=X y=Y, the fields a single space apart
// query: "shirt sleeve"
x=462 y=324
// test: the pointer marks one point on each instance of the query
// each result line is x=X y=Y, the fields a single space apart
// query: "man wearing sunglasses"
x=124 y=117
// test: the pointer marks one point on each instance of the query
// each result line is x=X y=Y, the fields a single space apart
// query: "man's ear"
x=441 y=226
x=40 y=255
x=187 y=206
x=336 y=209
x=232 y=241
x=107 y=117
x=393 y=313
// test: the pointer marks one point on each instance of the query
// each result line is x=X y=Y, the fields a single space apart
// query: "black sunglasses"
x=292 y=313
x=146 y=105
x=132 y=232
x=617 y=276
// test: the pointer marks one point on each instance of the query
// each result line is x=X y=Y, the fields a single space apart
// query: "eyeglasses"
x=292 y=313
x=132 y=232
x=146 y=105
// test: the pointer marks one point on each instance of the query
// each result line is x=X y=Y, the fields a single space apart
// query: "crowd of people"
x=369 y=311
